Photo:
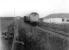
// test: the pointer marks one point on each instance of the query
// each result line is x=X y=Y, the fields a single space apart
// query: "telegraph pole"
x=15 y=33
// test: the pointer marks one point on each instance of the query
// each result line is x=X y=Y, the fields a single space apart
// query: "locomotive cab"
x=32 y=19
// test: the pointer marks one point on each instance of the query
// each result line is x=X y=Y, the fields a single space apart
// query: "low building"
x=57 y=18
x=53 y=20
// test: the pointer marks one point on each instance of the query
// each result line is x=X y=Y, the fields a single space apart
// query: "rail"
x=54 y=33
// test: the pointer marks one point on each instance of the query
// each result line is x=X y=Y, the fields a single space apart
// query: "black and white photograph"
x=34 y=25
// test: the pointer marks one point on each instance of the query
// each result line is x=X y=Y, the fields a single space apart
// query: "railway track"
x=61 y=35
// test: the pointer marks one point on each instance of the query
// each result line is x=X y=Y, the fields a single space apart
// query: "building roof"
x=58 y=15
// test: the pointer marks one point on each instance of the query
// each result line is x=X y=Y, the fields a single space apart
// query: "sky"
x=24 y=7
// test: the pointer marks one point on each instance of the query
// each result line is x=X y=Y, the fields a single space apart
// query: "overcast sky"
x=43 y=7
